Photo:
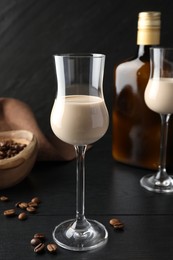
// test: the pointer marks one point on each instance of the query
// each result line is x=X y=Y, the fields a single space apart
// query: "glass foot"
x=66 y=236
x=151 y=183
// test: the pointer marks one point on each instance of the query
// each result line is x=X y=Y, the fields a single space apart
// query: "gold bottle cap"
x=149 y=24
x=149 y=20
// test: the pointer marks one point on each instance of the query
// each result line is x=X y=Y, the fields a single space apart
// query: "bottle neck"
x=143 y=50
x=147 y=38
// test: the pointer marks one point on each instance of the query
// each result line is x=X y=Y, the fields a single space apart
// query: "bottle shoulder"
x=129 y=65
x=132 y=63
x=141 y=58
x=133 y=73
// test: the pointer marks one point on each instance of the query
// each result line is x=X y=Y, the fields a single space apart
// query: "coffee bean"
x=36 y=200
x=116 y=223
x=23 y=205
x=9 y=212
x=41 y=236
x=35 y=241
x=39 y=248
x=4 y=198
x=119 y=226
x=31 y=209
x=22 y=216
x=32 y=204
x=52 y=248
x=2 y=155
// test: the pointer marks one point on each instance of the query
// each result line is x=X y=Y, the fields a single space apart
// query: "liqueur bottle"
x=136 y=129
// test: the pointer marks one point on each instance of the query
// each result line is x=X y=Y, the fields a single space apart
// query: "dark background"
x=31 y=31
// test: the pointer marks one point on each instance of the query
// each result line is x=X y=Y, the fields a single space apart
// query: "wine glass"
x=159 y=98
x=79 y=117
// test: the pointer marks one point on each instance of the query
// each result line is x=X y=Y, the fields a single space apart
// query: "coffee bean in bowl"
x=18 y=152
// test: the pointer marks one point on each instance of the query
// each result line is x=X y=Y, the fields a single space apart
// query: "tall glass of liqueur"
x=159 y=98
x=79 y=117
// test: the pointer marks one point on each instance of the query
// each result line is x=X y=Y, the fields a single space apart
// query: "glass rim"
x=80 y=55
x=162 y=48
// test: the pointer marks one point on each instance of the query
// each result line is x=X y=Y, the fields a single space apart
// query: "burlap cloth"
x=16 y=115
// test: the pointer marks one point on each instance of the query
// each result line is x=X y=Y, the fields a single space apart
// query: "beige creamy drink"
x=159 y=95
x=79 y=119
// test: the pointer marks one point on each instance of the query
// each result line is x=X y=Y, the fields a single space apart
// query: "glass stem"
x=162 y=174
x=81 y=222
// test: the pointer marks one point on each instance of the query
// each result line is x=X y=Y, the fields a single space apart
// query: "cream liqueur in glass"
x=159 y=95
x=159 y=98
x=79 y=119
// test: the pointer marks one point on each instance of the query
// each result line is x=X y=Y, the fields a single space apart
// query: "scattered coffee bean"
x=22 y=216
x=38 y=241
x=23 y=205
x=35 y=241
x=119 y=226
x=9 y=212
x=39 y=248
x=116 y=223
x=52 y=248
x=32 y=204
x=36 y=200
x=31 y=209
x=4 y=198
x=41 y=236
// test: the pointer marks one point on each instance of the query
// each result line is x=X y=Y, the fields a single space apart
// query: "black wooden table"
x=112 y=190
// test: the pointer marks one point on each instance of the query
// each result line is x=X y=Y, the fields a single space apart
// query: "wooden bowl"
x=13 y=170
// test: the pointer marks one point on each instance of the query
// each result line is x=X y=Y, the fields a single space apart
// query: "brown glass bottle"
x=136 y=129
